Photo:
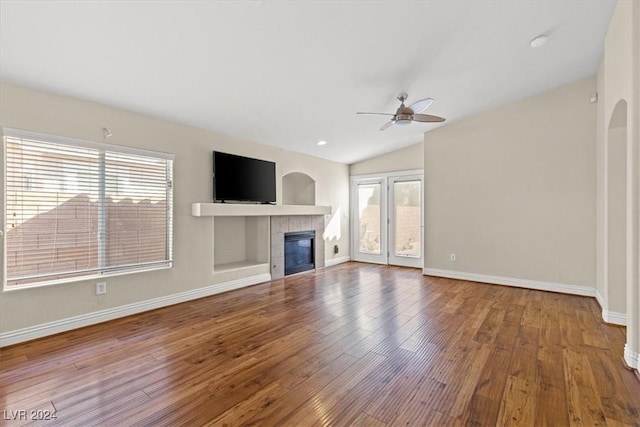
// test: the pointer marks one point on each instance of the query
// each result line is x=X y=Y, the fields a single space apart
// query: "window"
x=77 y=209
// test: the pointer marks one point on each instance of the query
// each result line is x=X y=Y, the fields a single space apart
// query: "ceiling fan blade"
x=421 y=105
x=427 y=118
x=386 y=125
x=378 y=114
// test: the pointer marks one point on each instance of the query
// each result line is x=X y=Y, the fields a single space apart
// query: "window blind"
x=76 y=209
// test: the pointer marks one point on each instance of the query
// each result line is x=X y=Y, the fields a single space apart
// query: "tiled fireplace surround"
x=287 y=223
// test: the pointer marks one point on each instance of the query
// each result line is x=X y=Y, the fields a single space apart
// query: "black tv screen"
x=243 y=179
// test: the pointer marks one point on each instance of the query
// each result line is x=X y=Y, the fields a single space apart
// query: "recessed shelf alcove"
x=240 y=244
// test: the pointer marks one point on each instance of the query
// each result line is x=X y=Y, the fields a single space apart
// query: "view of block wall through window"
x=78 y=211
x=407 y=200
x=407 y=218
x=369 y=210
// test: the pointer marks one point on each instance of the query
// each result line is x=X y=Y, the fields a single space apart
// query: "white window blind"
x=76 y=209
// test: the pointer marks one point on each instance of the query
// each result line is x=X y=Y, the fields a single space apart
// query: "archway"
x=616 y=225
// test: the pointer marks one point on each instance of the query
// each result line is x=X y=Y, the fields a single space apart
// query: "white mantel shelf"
x=230 y=209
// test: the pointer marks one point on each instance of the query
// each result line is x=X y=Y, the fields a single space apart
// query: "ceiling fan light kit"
x=403 y=120
x=405 y=115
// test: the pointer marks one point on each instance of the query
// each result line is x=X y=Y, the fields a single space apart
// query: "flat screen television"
x=243 y=179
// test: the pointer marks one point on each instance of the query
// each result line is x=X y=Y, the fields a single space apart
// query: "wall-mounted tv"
x=243 y=179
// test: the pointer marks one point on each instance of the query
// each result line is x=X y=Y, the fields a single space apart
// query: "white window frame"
x=23 y=134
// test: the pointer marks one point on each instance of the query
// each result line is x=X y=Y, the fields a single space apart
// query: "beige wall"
x=601 y=128
x=619 y=80
x=42 y=112
x=616 y=220
x=408 y=158
x=512 y=191
x=633 y=303
x=633 y=297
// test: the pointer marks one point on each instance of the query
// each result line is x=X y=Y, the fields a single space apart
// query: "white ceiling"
x=290 y=73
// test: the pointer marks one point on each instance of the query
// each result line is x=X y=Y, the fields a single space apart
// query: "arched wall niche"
x=616 y=224
x=619 y=115
x=298 y=189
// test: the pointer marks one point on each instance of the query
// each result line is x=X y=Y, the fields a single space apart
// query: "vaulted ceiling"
x=288 y=74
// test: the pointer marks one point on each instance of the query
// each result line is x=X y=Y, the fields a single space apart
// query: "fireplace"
x=299 y=254
x=285 y=224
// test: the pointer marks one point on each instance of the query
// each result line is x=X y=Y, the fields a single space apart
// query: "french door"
x=387 y=219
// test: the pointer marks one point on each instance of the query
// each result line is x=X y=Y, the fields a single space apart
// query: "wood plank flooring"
x=354 y=344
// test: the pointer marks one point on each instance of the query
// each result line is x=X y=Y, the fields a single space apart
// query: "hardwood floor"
x=355 y=344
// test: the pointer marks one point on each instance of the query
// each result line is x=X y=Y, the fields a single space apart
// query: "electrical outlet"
x=452 y=257
x=101 y=288
x=228 y=249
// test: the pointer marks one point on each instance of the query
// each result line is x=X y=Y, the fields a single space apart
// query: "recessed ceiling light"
x=538 y=41
x=322 y=142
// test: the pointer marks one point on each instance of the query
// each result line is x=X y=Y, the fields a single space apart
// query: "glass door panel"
x=370 y=221
x=405 y=214
x=369 y=217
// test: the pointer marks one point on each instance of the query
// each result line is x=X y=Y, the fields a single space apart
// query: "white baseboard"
x=335 y=261
x=45 y=329
x=600 y=299
x=612 y=317
x=509 y=281
x=631 y=358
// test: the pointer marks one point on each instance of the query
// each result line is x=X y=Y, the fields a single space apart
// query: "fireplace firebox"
x=299 y=251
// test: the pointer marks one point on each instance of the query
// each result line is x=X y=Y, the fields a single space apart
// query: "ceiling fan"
x=405 y=115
